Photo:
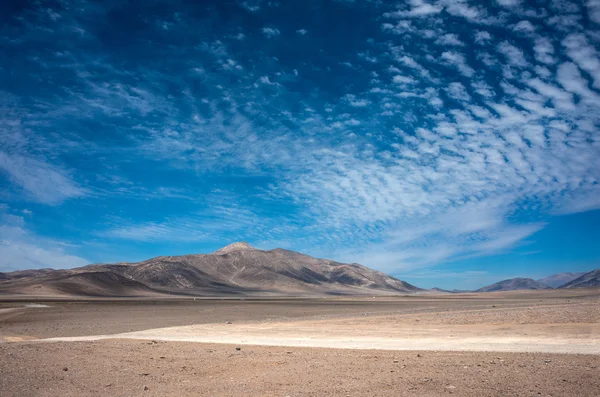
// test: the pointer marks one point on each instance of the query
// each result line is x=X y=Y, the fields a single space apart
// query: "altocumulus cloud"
x=403 y=135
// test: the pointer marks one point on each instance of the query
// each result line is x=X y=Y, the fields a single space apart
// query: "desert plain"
x=519 y=343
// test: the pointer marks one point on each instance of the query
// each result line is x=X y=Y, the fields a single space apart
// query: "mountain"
x=238 y=246
x=237 y=269
x=437 y=290
x=514 y=284
x=445 y=291
x=556 y=280
x=587 y=280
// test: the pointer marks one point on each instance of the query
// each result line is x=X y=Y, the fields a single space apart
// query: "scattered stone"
x=65 y=369
x=238 y=348
x=547 y=361
x=146 y=388
x=418 y=355
x=451 y=387
x=227 y=322
x=396 y=361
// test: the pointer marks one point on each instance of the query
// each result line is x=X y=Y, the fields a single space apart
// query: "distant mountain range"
x=446 y=291
x=237 y=269
x=557 y=280
x=240 y=269
x=587 y=280
x=514 y=284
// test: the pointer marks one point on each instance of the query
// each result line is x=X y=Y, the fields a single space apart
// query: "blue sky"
x=451 y=143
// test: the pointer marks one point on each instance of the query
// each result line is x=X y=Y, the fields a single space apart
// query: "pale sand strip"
x=541 y=338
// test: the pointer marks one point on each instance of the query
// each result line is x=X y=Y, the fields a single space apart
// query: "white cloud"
x=458 y=60
x=474 y=230
x=185 y=232
x=560 y=98
x=524 y=27
x=514 y=55
x=20 y=249
x=458 y=92
x=544 y=50
x=509 y=3
x=411 y=63
x=483 y=89
x=42 y=181
x=482 y=37
x=569 y=76
x=267 y=81
x=203 y=226
x=251 y=5
x=461 y=8
x=582 y=53
x=565 y=23
x=270 y=32
x=449 y=39
x=419 y=8
x=353 y=101
x=399 y=79
x=442 y=187
x=594 y=10
x=302 y=32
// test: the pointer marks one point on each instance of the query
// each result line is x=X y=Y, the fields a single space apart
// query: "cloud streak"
x=426 y=143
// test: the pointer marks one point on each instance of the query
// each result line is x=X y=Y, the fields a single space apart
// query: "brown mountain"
x=514 y=284
x=556 y=280
x=237 y=269
x=446 y=291
x=588 y=280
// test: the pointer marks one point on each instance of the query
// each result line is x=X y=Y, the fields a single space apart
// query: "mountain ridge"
x=587 y=280
x=235 y=269
x=559 y=279
x=514 y=284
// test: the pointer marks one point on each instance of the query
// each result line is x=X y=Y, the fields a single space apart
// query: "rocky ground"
x=143 y=368
x=31 y=366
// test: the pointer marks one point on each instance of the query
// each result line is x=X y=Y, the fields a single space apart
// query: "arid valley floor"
x=529 y=343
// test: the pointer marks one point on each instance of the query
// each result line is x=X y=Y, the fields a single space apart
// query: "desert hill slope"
x=237 y=269
x=556 y=280
x=587 y=280
x=514 y=284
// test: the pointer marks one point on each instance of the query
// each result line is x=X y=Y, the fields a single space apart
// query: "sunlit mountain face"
x=451 y=142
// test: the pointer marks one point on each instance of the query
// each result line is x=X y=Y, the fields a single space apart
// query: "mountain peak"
x=237 y=246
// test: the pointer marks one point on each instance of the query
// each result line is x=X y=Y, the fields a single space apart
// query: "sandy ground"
x=471 y=345
x=128 y=367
